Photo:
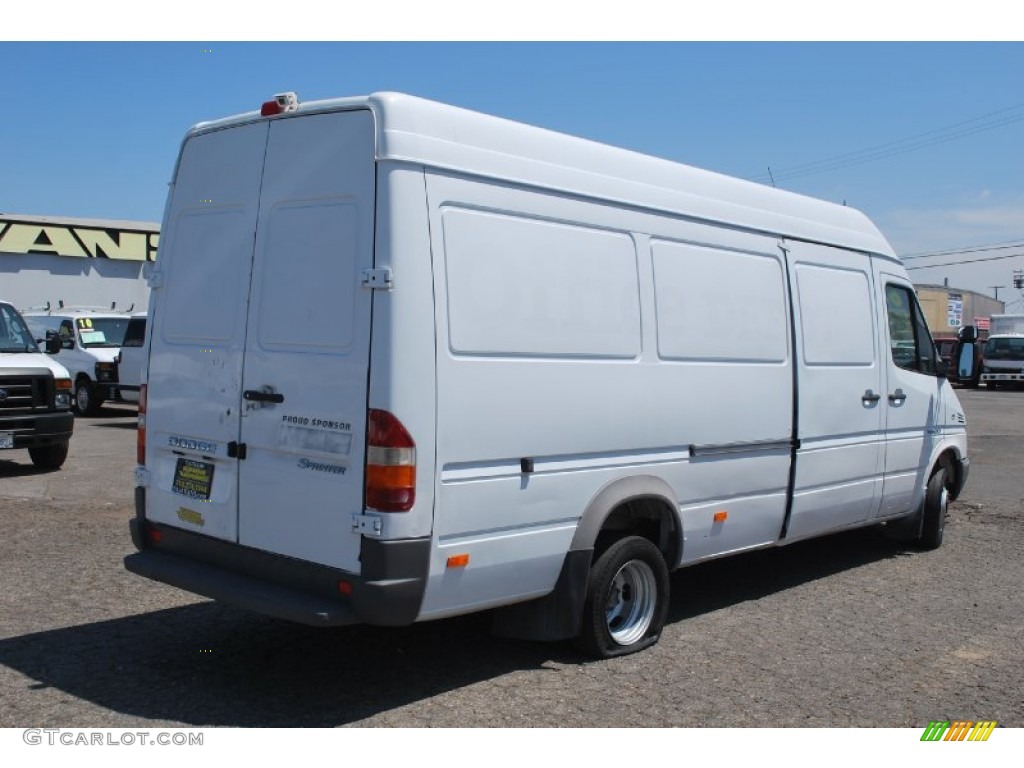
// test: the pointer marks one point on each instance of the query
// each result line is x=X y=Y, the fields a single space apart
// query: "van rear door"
x=304 y=385
x=198 y=308
x=260 y=351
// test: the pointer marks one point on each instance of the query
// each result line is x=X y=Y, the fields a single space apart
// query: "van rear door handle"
x=897 y=397
x=263 y=397
x=869 y=397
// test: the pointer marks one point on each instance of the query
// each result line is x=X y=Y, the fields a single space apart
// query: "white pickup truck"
x=35 y=394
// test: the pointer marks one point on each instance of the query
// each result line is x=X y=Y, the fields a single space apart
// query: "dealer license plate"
x=193 y=479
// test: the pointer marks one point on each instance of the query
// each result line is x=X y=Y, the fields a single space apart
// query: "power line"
x=966 y=249
x=988 y=121
x=965 y=263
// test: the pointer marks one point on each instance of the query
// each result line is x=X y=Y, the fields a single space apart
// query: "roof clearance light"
x=282 y=102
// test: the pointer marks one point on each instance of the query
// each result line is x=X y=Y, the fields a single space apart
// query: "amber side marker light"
x=458 y=561
x=720 y=516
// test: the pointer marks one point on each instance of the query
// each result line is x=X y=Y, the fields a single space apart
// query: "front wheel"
x=49 y=456
x=627 y=599
x=936 y=505
x=87 y=402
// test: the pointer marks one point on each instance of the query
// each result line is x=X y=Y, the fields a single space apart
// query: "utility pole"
x=996 y=289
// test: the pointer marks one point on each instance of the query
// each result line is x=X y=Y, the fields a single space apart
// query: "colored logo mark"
x=958 y=730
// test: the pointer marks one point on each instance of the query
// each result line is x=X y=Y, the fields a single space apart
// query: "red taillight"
x=390 y=464
x=270 y=108
x=140 y=437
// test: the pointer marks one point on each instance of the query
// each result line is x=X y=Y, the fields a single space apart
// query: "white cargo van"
x=131 y=358
x=409 y=361
x=90 y=342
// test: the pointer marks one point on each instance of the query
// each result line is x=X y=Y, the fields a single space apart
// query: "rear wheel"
x=936 y=505
x=49 y=456
x=627 y=599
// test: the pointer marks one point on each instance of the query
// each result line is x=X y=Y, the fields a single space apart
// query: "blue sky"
x=926 y=138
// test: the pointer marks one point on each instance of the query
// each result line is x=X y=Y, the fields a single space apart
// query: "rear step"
x=241 y=591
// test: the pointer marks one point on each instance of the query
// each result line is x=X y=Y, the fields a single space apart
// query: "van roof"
x=73 y=312
x=438 y=135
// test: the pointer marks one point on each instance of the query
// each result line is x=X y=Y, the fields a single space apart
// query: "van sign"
x=18 y=236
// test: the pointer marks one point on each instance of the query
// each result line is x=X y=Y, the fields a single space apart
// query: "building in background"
x=78 y=262
x=947 y=309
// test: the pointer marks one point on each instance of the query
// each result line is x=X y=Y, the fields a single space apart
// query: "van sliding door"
x=840 y=380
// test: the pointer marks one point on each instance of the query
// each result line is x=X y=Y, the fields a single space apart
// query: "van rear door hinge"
x=368 y=525
x=378 y=279
x=236 y=450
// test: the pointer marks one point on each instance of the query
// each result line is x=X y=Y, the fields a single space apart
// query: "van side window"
x=136 y=333
x=912 y=345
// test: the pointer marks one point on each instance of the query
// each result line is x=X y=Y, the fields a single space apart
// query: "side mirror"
x=967 y=335
x=966 y=363
x=53 y=345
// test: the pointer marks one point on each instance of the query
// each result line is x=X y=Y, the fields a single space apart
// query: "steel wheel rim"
x=632 y=598
x=82 y=398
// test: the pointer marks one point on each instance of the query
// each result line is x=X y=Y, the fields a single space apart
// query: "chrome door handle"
x=898 y=397
x=869 y=397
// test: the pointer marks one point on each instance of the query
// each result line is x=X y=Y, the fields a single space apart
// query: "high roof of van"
x=451 y=138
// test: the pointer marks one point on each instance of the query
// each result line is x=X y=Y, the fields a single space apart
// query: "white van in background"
x=131 y=359
x=408 y=361
x=90 y=341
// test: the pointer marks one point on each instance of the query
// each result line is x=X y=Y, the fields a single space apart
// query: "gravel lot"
x=853 y=630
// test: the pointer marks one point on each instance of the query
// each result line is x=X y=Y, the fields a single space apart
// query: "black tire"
x=49 y=456
x=87 y=403
x=627 y=599
x=936 y=505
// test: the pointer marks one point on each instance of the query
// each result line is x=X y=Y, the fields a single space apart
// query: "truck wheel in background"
x=627 y=599
x=936 y=504
x=49 y=456
x=86 y=401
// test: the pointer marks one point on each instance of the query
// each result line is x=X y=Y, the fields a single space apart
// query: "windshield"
x=1004 y=349
x=14 y=335
x=101 y=331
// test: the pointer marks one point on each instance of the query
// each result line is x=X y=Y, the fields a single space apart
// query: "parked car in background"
x=1004 y=352
x=90 y=340
x=35 y=395
x=131 y=358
